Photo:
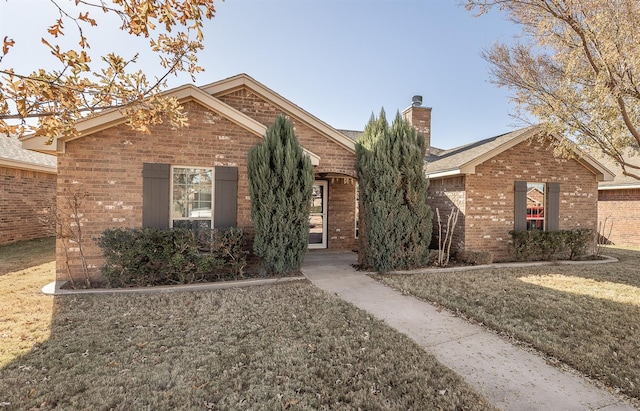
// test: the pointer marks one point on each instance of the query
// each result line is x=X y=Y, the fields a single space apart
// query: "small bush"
x=474 y=257
x=146 y=257
x=577 y=241
x=550 y=245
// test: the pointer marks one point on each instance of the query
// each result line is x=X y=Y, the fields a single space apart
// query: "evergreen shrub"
x=149 y=256
x=550 y=245
x=280 y=187
x=395 y=219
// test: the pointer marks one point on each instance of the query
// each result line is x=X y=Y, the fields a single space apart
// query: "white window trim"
x=545 y=188
x=213 y=184
x=325 y=214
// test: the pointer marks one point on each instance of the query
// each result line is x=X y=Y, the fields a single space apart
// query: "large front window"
x=536 y=199
x=191 y=197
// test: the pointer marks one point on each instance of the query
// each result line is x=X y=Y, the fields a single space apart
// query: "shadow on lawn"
x=274 y=347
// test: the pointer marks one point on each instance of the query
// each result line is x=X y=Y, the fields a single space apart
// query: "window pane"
x=317 y=196
x=535 y=206
x=192 y=193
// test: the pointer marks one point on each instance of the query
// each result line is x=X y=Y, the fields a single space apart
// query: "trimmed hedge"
x=550 y=245
x=149 y=256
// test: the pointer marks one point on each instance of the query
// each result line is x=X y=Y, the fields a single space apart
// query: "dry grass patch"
x=25 y=313
x=288 y=346
x=587 y=316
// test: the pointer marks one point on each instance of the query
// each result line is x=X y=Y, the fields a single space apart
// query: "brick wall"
x=620 y=209
x=106 y=168
x=420 y=119
x=447 y=194
x=490 y=198
x=341 y=218
x=25 y=198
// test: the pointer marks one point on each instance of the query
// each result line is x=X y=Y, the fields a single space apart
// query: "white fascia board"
x=448 y=173
x=39 y=144
x=23 y=165
x=621 y=187
x=183 y=94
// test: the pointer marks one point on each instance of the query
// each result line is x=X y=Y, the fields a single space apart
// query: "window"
x=536 y=201
x=191 y=197
x=357 y=211
x=185 y=197
x=537 y=206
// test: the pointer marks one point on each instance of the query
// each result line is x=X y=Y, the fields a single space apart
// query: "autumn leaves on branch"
x=82 y=84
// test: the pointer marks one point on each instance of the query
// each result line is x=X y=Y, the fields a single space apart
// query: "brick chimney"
x=420 y=118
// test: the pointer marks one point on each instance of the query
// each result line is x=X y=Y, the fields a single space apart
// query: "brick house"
x=508 y=182
x=619 y=205
x=27 y=191
x=130 y=179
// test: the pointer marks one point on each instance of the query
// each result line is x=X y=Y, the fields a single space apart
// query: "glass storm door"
x=318 y=216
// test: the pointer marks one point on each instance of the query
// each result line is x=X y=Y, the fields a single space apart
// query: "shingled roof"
x=620 y=181
x=464 y=159
x=14 y=156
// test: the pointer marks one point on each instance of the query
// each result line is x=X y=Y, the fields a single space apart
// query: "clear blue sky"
x=341 y=60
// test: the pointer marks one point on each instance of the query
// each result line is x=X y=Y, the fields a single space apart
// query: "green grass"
x=24 y=254
x=587 y=316
x=288 y=346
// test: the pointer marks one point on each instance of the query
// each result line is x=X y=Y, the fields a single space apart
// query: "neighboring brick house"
x=508 y=182
x=619 y=206
x=130 y=179
x=27 y=192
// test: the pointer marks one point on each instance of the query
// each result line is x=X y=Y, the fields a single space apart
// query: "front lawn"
x=587 y=316
x=288 y=346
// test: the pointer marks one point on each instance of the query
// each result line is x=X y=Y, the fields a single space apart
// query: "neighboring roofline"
x=620 y=187
x=447 y=173
x=114 y=117
x=601 y=172
x=234 y=83
x=25 y=165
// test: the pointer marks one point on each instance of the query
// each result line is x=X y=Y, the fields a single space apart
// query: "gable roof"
x=464 y=159
x=205 y=96
x=12 y=155
x=232 y=84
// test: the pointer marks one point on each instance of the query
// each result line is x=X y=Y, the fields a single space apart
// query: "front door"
x=318 y=216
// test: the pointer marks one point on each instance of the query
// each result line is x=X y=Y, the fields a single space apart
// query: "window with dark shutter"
x=553 y=207
x=155 y=195
x=520 y=206
x=226 y=197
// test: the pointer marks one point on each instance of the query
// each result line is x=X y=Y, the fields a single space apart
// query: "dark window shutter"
x=155 y=195
x=520 y=206
x=226 y=197
x=553 y=207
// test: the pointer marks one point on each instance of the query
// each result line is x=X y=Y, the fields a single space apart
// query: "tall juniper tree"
x=394 y=215
x=280 y=185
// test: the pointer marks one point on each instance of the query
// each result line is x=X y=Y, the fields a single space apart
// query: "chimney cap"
x=416 y=101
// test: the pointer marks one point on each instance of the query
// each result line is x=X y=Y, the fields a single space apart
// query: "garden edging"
x=55 y=288
x=605 y=260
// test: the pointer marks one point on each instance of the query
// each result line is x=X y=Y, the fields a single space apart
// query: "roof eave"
x=444 y=173
x=113 y=118
x=620 y=187
x=24 y=165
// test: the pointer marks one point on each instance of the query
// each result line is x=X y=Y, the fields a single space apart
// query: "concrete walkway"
x=510 y=377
